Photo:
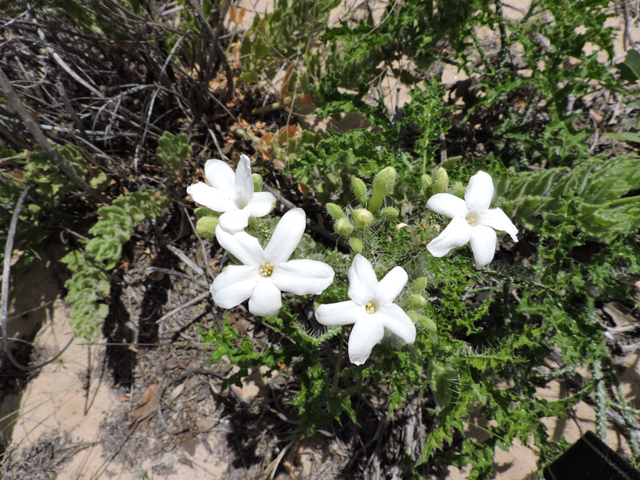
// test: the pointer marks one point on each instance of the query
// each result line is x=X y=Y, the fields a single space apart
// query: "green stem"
x=622 y=201
x=336 y=373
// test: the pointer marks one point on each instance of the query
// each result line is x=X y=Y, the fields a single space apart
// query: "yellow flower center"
x=371 y=307
x=266 y=269
x=472 y=220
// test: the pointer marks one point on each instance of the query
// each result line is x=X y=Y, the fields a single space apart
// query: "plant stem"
x=622 y=201
x=623 y=403
x=336 y=373
x=601 y=401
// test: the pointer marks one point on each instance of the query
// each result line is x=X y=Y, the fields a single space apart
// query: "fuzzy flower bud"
x=356 y=244
x=417 y=301
x=441 y=181
x=343 y=227
x=388 y=213
x=205 y=212
x=257 y=182
x=383 y=185
x=359 y=189
x=426 y=182
x=458 y=190
x=206 y=227
x=426 y=322
x=335 y=211
x=362 y=217
x=419 y=285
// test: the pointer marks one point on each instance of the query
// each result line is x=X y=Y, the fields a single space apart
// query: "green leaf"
x=630 y=68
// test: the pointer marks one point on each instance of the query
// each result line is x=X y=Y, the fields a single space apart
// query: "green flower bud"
x=426 y=322
x=205 y=212
x=417 y=301
x=206 y=227
x=257 y=182
x=419 y=285
x=441 y=181
x=426 y=182
x=383 y=184
x=362 y=217
x=458 y=189
x=343 y=227
x=335 y=211
x=359 y=189
x=388 y=213
x=356 y=244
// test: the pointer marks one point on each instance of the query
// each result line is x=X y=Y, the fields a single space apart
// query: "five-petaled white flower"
x=266 y=273
x=472 y=222
x=371 y=308
x=232 y=194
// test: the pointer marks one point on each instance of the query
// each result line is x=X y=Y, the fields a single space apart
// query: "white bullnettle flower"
x=371 y=309
x=266 y=273
x=232 y=194
x=472 y=221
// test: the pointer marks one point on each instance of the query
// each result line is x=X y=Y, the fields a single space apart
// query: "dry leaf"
x=176 y=392
x=286 y=133
x=621 y=315
x=188 y=443
x=285 y=89
x=145 y=410
x=205 y=424
x=305 y=100
x=304 y=190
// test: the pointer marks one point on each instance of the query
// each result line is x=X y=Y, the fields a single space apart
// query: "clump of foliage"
x=89 y=285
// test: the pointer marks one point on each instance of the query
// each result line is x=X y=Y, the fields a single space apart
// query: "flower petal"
x=341 y=313
x=498 y=220
x=210 y=197
x=479 y=192
x=455 y=235
x=447 y=205
x=286 y=236
x=391 y=285
x=234 y=285
x=244 y=182
x=235 y=220
x=365 y=334
x=241 y=245
x=261 y=204
x=302 y=277
x=398 y=322
x=220 y=176
x=483 y=244
x=363 y=284
x=266 y=299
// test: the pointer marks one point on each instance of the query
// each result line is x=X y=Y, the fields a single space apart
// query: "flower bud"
x=359 y=189
x=388 y=213
x=335 y=211
x=416 y=301
x=257 y=182
x=426 y=182
x=343 y=227
x=362 y=217
x=206 y=227
x=205 y=212
x=383 y=184
x=426 y=322
x=441 y=182
x=458 y=189
x=419 y=285
x=356 y=244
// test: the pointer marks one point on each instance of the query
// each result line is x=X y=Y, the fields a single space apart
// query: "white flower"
x=232 y=194
x=472 y=222
x=371 y=308
x=267 y=272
